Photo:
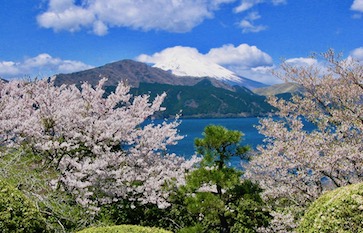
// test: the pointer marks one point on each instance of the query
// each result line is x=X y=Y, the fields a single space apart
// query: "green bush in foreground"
x=17 y=212
x=25 y=170
x=124 y=229
x=340 y=210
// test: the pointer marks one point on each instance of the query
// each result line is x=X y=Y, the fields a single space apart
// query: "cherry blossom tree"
x=98 y=142
x=298 y=164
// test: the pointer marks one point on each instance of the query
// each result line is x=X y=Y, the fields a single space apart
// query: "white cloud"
x=40 y=65
x=302 y=61
x=170 y=53
x=261 y=74
x=99 y=15
x=247 y=24
x=99 y=28
x=40 y=61
x=243 y=55
x=179 y=16
x=244 y=60
x=8 y=68
x=246 y=5
x=357 y=5
x=254 y=15
x=65 y=17
x=357 y=53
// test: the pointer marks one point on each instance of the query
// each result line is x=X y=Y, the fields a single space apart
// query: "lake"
x=193 y=128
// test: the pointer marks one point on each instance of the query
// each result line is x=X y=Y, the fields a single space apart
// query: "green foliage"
x=227 y=204
x=250 y=208
x=206 y=100
x=215 y=194
x=17 y=212
x=135 y=213
x=124 y=229
x=340 y=210
x=24 y=170
x=193 y=229
x=219 y=145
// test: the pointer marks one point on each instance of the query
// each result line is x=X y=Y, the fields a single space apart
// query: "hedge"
x=340 y=210
x=124 y=229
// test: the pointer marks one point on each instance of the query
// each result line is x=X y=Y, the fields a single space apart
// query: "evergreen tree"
x=215 y=193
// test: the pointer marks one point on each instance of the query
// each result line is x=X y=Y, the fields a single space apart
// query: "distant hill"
x=205 y=100
x=278 y=89
x=194 y=96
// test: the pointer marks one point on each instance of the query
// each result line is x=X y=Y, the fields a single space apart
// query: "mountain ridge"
x=204 y=100
x=134 y=72
x=131 y=72
x=194 y=96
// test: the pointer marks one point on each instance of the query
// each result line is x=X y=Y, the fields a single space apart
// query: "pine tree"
x=214 y=192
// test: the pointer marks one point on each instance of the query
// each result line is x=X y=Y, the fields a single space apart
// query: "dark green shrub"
x=17 y=212
x=126 y=212
x=124 y=229
x=214 y=193
x=340 y=210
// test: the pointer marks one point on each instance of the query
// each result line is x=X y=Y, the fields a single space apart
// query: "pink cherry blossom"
x=99 y=144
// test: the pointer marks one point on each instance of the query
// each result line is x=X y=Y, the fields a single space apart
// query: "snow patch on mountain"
x=186 y=61
x=191 y=66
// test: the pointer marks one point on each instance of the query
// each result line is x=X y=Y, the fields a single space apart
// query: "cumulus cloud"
x=357 y=5
x=64 y=15
x=100 y=15
x=244 y=60
x=8 y=68
x=40 y=65
x=244 y=55
x=179 y=16
x=357 y=53
x=170 y=54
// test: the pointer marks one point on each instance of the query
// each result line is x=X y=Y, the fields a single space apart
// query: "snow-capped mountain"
x=191 y=66
x=195 y=96
x=194 y=66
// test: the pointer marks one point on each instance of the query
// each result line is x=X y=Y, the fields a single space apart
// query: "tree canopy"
x=215 y=192
x=295 y=166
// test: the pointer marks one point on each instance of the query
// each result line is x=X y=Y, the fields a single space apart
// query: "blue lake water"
x=193 y=128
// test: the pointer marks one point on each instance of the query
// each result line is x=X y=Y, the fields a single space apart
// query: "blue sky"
x=45 y=37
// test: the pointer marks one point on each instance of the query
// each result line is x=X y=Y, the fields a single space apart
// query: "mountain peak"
x=192 y=64
x=132 y=72
x=186 y=61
